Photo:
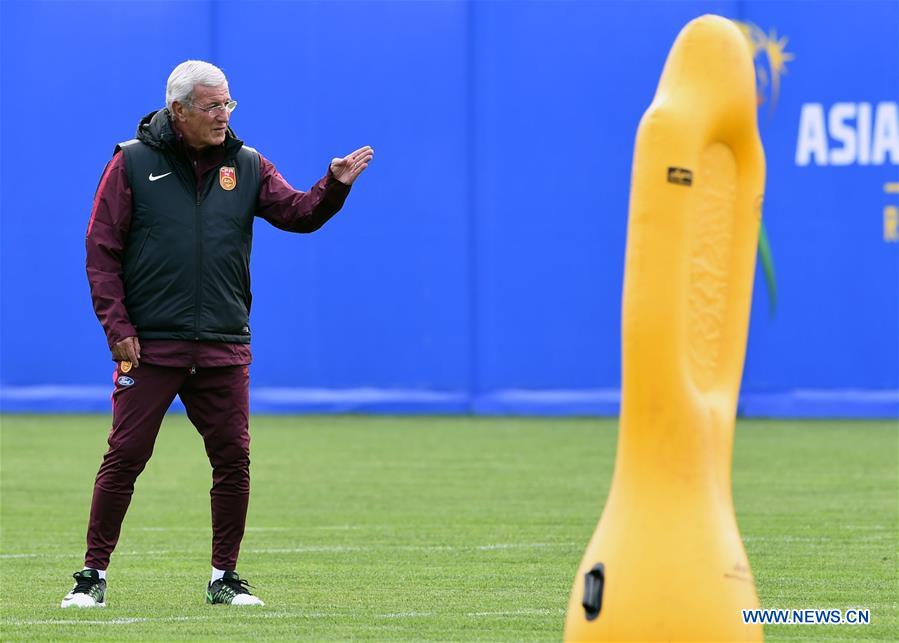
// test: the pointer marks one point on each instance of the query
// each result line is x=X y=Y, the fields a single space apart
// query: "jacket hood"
x=155 y=129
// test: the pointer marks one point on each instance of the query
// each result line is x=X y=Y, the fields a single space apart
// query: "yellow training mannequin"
x=673 y=564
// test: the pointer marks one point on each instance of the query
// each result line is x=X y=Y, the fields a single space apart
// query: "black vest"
x=186 y=268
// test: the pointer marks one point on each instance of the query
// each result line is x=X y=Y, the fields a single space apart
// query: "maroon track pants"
x=217 y=403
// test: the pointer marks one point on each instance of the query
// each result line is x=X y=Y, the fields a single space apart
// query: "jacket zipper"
x=193 y=367
x=197 y=298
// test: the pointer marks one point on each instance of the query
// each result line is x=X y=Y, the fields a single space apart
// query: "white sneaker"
x=231 y=589
x=89 y=590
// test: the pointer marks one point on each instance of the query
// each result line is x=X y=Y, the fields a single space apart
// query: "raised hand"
x=348 y=169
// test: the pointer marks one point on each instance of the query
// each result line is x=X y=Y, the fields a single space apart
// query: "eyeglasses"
x=216 y=107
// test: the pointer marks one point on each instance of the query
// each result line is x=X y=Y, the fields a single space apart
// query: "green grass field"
x=385 y=528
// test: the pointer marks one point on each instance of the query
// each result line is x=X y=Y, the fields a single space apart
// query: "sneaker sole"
x=257 y=603
x=68 y=604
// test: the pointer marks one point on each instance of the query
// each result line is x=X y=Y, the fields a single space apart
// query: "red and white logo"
x=228 y=178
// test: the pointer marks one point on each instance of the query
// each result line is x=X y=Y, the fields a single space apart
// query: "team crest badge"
x=125 y=366
x=228 y=178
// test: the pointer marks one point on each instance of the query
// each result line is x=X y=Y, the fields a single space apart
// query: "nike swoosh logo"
x=161 y=176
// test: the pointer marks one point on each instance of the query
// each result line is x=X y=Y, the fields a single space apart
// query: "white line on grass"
x=522 y=612
x=112 y=621
x=165 y=529
x=816 y=539
x=334 y=527
x=209 y=529
x=131 y=620
x=314 y=549
x=306 y=550
x=23 y=555
x=407 y=615
x=520 y=546
x=817 y=638
x=492 y=547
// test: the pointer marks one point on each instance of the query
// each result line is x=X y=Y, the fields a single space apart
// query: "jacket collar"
x=155 y=129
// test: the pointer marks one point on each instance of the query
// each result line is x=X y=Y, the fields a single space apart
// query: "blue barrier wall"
x=477 y=265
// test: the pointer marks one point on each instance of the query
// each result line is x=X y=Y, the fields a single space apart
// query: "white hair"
x=184 y=77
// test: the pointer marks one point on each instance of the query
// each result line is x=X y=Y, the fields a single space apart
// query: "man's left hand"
x=348 y=169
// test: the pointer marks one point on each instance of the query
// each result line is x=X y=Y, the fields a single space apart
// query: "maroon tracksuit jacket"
x=211 y=378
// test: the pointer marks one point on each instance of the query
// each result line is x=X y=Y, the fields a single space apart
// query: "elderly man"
x=168 y=257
